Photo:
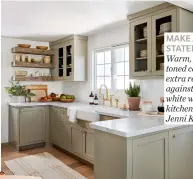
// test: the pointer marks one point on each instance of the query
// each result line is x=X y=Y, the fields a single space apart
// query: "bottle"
x=96 y=100
x=91 y=99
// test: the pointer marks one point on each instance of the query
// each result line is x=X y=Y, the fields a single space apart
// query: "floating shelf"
x=141 y=41
x=32 y=51
x=30 y=78
x=141 y=58
x=32 y=64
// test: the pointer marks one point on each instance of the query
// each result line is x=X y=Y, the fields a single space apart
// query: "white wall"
x=7 y=71
x=150 y=89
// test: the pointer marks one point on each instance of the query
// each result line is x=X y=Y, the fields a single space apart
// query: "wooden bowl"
x=24 y=45
x=55 y=98
x=42 y=47
x=67 y=100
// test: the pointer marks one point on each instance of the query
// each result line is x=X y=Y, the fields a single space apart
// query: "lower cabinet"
x=88 y=144
x=150 y=157
x=71 y=136
x=27 y=126
x=181 y=157
x=76 y=139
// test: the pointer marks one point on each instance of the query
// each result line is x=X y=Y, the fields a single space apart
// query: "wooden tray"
x=67 y=100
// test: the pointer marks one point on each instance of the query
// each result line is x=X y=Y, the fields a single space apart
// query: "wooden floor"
x=8 y=153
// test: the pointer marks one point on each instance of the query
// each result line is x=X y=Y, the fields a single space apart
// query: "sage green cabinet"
x=27 y=126
x=181 y=159
x=76 y=139
x=146 y=38
x=88 y=144
x=59 y=128
x=70 y=58
x=150 y=157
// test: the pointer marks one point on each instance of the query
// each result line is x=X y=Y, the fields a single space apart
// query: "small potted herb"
x=133 y=96
x=18 y=93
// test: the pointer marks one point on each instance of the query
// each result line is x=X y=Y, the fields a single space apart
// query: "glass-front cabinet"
x=161 y=23
x=146 y=43
x=70 y=58
x=140 y=46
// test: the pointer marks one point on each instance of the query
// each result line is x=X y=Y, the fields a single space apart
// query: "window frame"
x=113 y=62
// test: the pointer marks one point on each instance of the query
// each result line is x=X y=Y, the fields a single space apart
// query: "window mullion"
x=113 y=68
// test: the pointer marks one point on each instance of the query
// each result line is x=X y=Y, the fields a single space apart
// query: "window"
x=111 y=67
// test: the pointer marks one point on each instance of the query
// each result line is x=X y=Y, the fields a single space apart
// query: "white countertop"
x=130 y=125
x=133 y=126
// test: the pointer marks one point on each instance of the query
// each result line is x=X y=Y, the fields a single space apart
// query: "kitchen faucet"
x=107 y=95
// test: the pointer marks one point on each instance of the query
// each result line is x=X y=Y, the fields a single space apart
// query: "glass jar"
x=147 y=106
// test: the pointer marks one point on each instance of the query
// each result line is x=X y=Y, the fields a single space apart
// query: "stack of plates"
x=165 y=27
x=161 y=66
x=163 y=48
x=143 y=53
x=145 y=32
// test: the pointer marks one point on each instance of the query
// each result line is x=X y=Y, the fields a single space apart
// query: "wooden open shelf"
x=32 y=65
x=32 y=51
x=30 y=78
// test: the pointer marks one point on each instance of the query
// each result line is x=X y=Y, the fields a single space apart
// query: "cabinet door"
x=140 y=48
x=54 y=123
x=32 y=125
x=150 y=157
x=88 y=144
x=158 y=38
x=181 y=156
x=65 y=136
x=58 y=59
x=68 y=60
x=76 y=139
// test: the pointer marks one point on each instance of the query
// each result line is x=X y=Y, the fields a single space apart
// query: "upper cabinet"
x=147 y=30
x=70 y=57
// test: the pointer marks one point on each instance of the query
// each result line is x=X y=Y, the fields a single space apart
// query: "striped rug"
x=43 y=165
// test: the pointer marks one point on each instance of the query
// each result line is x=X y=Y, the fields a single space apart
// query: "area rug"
x=42 y=165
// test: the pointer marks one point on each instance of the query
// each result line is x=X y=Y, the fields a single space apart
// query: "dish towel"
x=71 y=113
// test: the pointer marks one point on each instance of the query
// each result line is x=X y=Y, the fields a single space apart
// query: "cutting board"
x=38 y=90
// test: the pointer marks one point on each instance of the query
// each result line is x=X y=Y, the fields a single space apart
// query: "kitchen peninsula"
x=142 y=148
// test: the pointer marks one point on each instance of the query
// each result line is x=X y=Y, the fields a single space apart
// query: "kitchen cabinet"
x=76 y=139
x=146 y=39
x=70 y=58
x=59 y=128
x=146 y=152
x=88 y=144
x=27 y=127
x=181 y=147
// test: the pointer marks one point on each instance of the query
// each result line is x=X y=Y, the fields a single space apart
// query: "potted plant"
x=18 y=93
x=133 y=96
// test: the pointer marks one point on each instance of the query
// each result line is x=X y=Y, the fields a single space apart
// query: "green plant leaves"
x=18 y=90
x=133 y=91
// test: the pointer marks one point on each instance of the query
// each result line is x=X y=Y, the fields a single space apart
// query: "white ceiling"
x=48 y=21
